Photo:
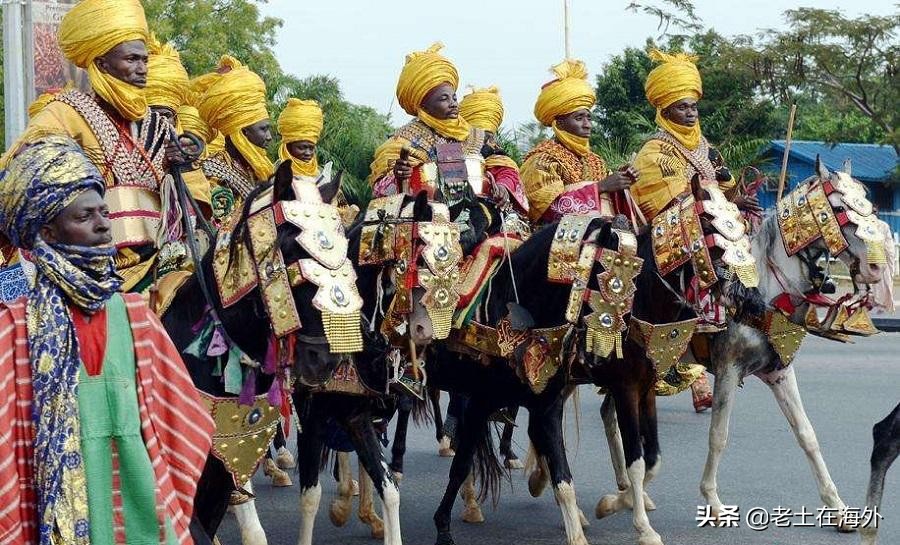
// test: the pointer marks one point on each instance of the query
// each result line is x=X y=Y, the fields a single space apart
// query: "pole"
x=787 y=151
x=566 y=26
x=15 y=106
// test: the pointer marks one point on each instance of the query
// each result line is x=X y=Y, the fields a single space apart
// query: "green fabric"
x=110 y=419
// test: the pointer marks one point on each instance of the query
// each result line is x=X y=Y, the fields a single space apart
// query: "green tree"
x=849 y=65
x=202 y=30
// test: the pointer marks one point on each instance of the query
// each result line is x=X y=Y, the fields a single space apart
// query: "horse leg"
x=469 y=437
x=510 y=460
x=724 y=388
x=339 y=513
x=434 y=396
x=367 y=506
x=252 y=532
x=472 y=509
x=612 y=503
x=398 y=449
x=538 y=473
x=545 y=430
x=886 y=435
x=213 y=494
x=368 y=449
x=650 y=441
x=787 y=393
x=628 y=412
x=309 y=456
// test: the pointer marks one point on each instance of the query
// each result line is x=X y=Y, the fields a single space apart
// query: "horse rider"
x=675 y=154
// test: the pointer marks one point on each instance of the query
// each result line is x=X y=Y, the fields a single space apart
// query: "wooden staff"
x=787 y=151
x=566 y=26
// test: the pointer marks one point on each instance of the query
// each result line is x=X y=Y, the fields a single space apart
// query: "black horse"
x=886 y=435
x=494 y=383
x=248 y=325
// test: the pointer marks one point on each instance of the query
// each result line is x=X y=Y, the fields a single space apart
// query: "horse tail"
x=421 y=412
x=487 y=468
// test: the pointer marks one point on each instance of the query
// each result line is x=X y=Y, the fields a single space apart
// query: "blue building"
x=872 y=164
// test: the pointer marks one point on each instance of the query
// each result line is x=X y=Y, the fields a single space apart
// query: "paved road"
x=846 y=389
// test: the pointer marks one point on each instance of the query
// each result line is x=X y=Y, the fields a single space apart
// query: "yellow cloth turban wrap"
x=301 y=120
x=423 y=71
x=234 y=99
x=483 y=108
x=167 y=80
x=568 y=93
x=91 y=29
x=676 y=78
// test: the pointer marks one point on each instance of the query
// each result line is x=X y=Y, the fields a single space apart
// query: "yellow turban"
x=568 y=93
x=300 y=120
x=676 y=78
x=91 y=29
x=235 y=98
x=167 y=80
x=423 y=71
x=483 y=108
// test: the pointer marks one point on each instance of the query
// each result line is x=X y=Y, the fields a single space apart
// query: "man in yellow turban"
x=562 y=175
x=483 y=109
x=234 y=104
x=672 y=157
x=444 y=150
x=300 y=125
x=678 y=151
x=127 y=142
x=167 y=80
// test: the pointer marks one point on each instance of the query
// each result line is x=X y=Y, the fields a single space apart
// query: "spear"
x=566 y=25
x=787 y=151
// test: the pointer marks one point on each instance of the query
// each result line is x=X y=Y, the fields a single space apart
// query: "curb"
x=890 y=325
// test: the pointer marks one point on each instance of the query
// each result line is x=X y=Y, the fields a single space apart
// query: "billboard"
x=46 y=69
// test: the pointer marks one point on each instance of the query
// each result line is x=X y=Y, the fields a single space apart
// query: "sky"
x=508 y=43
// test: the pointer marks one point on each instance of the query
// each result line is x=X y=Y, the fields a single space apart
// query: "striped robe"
x=174 y=423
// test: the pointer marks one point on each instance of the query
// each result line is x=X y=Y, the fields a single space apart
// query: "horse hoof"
x=652 y=539
x=649 y=504
x=585 y=523
x=375 y=524
x=284 y=459
x=354 y=487
x=278 y=475
x=444 y=448
x=606 y=506
x=537 y=482
x=473 y=515
x=444 y=538
x=845 y=527
x=339 y=512
x=513 y=463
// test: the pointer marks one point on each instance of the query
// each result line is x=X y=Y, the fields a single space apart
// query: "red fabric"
x=508 y=177
x=91 y=333
x=174 y=423
x=582 y=200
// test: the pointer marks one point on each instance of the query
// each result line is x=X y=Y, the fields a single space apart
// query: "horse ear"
x=821 y=169
x=421 y=208
x=283 y=183
x=330 y=190
x=847 y=168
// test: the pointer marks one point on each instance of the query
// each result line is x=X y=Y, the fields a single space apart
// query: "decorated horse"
x=550 y=318
x=826 y=216
x=274 y=312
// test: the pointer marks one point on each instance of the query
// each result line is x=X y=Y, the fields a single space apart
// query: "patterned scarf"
x=86 y=278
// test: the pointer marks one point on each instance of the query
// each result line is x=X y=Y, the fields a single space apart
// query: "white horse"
x=741 y=351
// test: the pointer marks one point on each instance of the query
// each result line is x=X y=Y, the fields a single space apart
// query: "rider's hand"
x=748 y=203
x=403 y=170
x=617 y=181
